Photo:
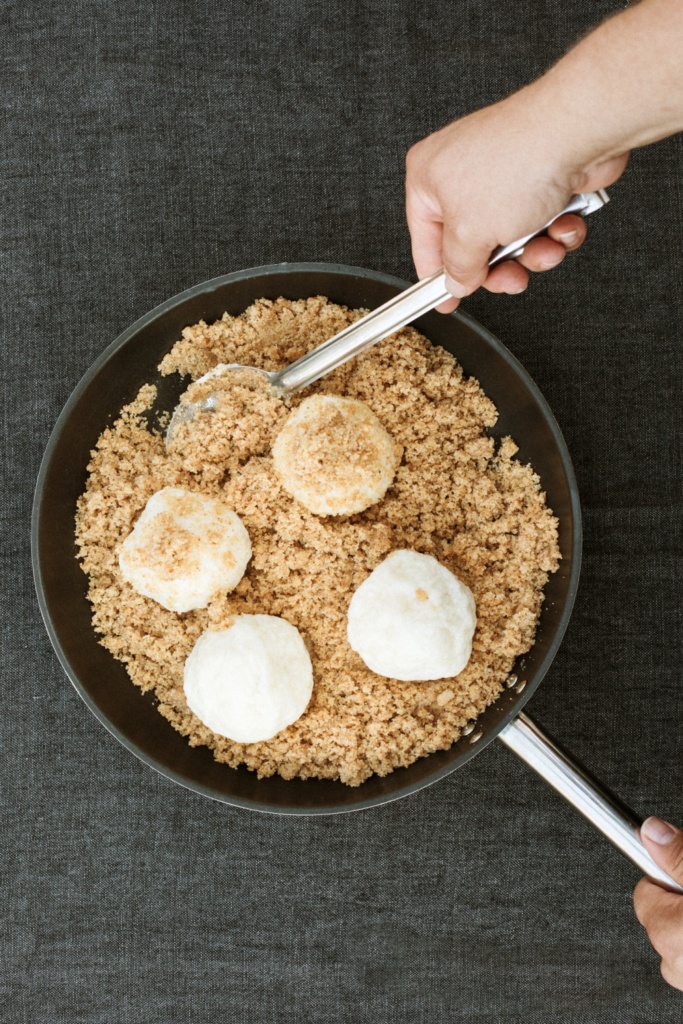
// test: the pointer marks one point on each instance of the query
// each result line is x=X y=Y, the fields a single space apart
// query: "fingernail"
x=569 y=237
x=658 y=831
x=455 y=288
x=548 y=264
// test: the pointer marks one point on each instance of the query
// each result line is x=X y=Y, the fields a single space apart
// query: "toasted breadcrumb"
x=456 y=496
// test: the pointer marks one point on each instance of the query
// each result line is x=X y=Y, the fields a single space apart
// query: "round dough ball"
x=334 y=456
x=412 y=619
x=184 y=549
x=250 y=681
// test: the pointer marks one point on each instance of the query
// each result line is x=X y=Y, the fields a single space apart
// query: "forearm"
x=500 y=172
x=619 y=88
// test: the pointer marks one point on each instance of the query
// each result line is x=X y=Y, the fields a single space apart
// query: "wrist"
x=572 y=151
x=557 y=144
x=619 y=88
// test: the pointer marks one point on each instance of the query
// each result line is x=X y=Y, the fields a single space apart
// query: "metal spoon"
x=385 y=320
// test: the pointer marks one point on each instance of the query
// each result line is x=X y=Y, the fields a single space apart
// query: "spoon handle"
x=402 y=309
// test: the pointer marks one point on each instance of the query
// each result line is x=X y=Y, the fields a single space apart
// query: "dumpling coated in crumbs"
x=185 y=549
x=334 y=456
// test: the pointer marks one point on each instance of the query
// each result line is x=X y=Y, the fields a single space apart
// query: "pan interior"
x=116 y=378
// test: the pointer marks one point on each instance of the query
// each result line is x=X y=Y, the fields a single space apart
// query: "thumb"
x=466 y=262
x=664 y=843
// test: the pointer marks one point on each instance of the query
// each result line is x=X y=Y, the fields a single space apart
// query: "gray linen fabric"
x=150 y=146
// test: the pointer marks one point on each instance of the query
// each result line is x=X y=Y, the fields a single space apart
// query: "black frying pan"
x=103 y=683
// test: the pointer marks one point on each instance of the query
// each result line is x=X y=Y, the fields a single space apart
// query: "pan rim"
x=245 y=802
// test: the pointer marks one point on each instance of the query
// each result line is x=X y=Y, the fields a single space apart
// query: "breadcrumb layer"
x=456 y=495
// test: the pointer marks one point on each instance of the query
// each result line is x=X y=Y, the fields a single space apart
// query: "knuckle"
x=466 y=234
x=471 y=277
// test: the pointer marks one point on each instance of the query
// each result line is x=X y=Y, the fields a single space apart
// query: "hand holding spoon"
x=376 y=325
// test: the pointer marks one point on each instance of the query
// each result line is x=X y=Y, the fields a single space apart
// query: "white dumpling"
x=251 y=680
x=412 y=619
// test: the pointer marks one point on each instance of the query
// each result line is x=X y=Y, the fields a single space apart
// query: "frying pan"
x=130 y=716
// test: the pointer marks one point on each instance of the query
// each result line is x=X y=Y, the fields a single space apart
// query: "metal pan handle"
x=620 y=825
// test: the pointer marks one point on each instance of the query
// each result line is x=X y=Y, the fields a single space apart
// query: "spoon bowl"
x=186 y=411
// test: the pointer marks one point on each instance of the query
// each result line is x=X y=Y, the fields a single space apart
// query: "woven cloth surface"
x=148 y=147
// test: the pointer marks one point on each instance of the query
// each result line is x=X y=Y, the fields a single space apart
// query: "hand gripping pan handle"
x=402 y=309
x=573 y=782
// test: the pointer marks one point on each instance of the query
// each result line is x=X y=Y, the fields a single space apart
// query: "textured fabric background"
x=150 y=146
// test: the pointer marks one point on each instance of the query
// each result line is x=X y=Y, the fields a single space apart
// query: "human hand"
x=661 y=912
x=489 y=178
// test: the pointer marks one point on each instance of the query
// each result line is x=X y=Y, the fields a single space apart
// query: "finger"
x=672 y=972
x=426 y=237
x=465 y=260
x=660 y=912
x=570 y=230
x=542 y=253
x=664 y=842
x=604 y=173
x=425 y=222
x=428 y=258
x=448 y=306
x=545 y=252
x=508 y=277
x=645 y=896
